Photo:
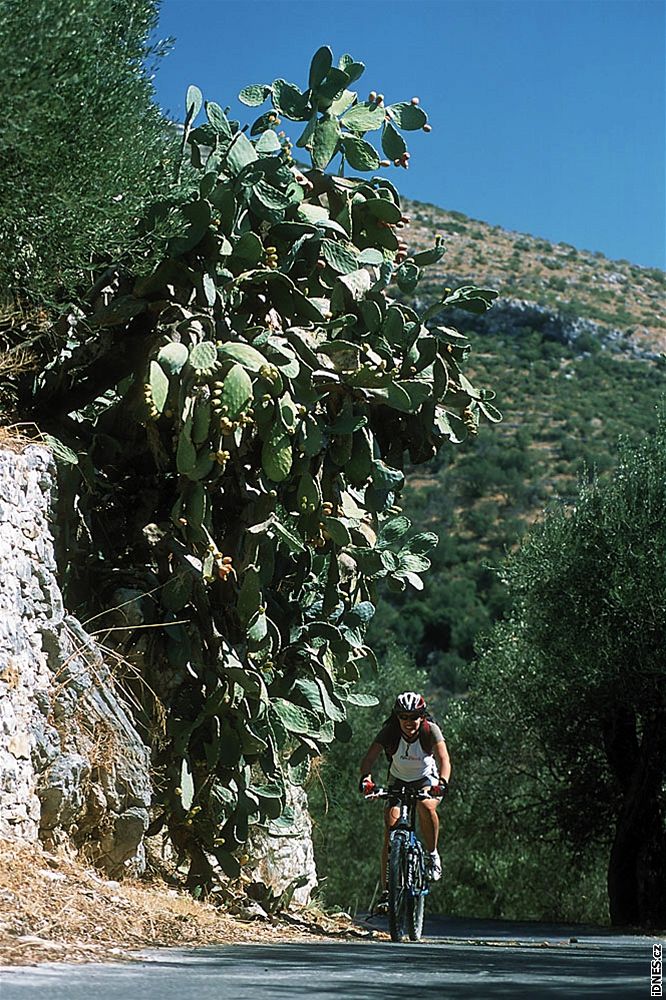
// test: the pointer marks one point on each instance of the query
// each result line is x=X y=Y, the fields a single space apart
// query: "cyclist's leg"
x=429 y=822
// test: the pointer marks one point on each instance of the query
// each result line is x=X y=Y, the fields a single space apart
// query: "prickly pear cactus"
x=253 y=448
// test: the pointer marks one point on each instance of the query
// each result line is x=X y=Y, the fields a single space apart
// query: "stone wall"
x=73 y=769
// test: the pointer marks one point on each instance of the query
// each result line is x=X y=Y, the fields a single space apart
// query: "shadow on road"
x=615 y=967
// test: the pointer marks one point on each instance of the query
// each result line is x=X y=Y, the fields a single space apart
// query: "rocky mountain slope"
x=615 y=294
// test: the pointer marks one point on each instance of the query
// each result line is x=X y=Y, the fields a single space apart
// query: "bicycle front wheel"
x=416 y=897
x=397 y=889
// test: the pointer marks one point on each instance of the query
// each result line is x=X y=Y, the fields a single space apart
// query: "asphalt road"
x=457 y=959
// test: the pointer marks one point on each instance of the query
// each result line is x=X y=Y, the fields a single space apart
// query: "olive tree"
x=565 y=726
x=82 y=142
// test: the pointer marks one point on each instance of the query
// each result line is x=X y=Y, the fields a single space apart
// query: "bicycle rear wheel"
x=397 y=889
x=416 y=897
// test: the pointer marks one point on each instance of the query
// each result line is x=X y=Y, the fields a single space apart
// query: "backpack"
x=425 y=737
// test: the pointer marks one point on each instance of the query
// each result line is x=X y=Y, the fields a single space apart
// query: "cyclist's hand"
x=439 y=790
x=366 y=785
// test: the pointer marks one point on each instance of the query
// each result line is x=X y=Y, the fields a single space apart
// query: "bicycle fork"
x=414 y=877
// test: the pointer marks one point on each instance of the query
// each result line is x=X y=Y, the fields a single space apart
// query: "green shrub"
x=562 y=733
x=83 y=146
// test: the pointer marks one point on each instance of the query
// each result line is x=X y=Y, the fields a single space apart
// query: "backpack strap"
x=425 y=737
x=389 y=737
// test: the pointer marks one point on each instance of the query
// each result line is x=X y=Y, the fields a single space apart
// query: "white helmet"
x=410 y=701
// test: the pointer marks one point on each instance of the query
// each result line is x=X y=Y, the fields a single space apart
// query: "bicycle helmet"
x=410 y=701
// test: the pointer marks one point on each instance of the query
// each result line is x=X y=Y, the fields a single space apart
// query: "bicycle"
x=407 y=876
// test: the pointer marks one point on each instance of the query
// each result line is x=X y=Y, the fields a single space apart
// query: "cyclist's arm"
x=441 y=755
x=371 y=756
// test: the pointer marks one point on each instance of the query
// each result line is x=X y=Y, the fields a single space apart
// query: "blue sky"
x=548 y=116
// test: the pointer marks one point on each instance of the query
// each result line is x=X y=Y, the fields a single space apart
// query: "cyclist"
x=417 y=754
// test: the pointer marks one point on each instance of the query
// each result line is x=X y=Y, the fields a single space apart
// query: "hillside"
x=614 y=293
x=572 y=350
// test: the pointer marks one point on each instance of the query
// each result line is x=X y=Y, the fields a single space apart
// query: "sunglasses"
x=409 y=716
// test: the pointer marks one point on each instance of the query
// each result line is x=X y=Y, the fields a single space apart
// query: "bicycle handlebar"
x=417 y=793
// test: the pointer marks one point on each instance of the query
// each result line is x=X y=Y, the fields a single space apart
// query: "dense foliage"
x=237 y=418
x=82 y=143
x=556 y=808
x=564 y=729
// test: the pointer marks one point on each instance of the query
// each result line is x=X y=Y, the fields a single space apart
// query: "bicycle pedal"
x=381 y=906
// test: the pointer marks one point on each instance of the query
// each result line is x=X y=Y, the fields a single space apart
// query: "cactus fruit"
x=224 y=566
x=272 y=260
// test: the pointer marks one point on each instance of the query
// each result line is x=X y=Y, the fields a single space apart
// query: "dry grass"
x=17 y=362
x=54 y=909
x=16 y=437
